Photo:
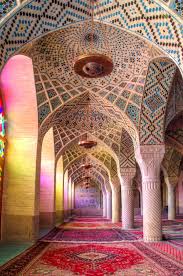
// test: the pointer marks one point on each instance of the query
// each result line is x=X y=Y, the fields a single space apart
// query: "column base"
x=59 y=217
x=152 y=239
x=128 y=227
x=67 y=215
x=20 y=228
x=47 y=219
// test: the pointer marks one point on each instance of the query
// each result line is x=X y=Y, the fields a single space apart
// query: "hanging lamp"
x=88 y=143
x=94 y=64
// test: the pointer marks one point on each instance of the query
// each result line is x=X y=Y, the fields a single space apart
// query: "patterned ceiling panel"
x=157 y=88
x=98 y=169
x=146 y=18
x=94 y=181
x=74 y=152
x=103 y=113
x=94 y=175
x=76 y=165
x=86 y=117
x=57 y=83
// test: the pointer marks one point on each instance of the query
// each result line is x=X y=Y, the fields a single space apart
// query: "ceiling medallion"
x=94 y=64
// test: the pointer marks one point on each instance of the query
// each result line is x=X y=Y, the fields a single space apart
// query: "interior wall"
x=47 y=181
x=20 y=211
x=2 y=152
x=87 y=202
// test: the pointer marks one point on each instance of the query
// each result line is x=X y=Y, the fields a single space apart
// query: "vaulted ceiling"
x=131 y=106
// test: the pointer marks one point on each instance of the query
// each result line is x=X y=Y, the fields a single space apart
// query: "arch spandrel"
x=127 y=154
x=171 y=162
x=153 y=109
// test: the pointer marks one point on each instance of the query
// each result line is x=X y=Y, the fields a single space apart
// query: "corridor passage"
x=95 y=246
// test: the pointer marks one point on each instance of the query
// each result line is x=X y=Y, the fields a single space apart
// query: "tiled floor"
x=10 y=250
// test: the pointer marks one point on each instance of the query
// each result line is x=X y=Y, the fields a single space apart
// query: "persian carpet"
x=90 y=225
x=118 y=259
x=88 y=235
x=89 y=219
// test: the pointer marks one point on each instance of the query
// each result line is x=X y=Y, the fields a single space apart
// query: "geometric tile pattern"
x=102 y=114
x=177 y=6
x=87 y=159
x=146 y=18
x=86 y=117
x=97 y=172
x=6 y=6
x=57 y=83
x=96 y=178
x=157 y=88
x=127 y=155
x=74 y=152
x=176 y=136
x=172 y=161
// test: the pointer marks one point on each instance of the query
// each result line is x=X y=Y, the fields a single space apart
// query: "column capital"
x=128 y=172
x=149 y=158
x=172 y=183
x=116 y=188
x=127 y=175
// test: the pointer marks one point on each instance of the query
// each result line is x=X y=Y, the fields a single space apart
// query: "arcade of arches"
x=135 y=115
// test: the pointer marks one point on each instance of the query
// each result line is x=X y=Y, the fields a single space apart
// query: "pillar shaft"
x=104 y=205
x=171 y=202
x=116 y=204
x=149 y=158
x=109 y=205
x=127 y=199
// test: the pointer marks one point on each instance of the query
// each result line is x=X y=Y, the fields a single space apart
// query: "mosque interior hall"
x=91 y=137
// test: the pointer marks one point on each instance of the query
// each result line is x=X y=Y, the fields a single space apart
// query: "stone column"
x=66 y=200
x=141 y=203
x=116 y=204
x=109 y=204
x=127 y=197
x=172 y=200
x=72 y=197
x=149 y=158
x=171 y=183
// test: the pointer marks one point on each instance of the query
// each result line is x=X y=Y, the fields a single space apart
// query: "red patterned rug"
x=93 y=236
x=90 y=225
x=127 y=259
x=89 y=219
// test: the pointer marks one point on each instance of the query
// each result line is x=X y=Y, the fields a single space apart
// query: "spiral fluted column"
x=115 y=204
x=127 y=193
x=149 y=158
